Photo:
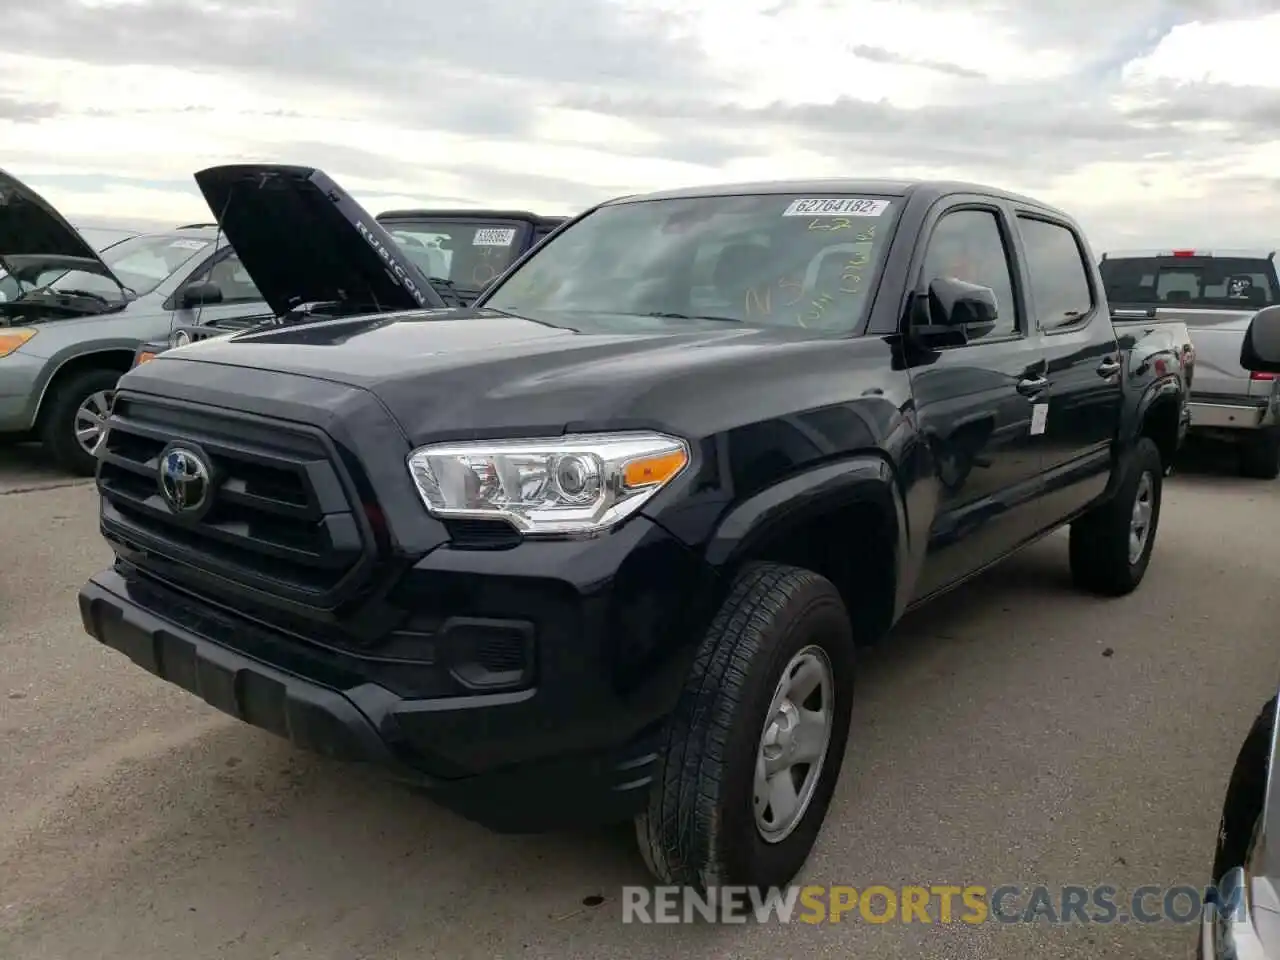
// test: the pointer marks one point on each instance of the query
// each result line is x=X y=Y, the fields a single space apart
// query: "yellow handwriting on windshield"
x=817 y=307
x=836 y=223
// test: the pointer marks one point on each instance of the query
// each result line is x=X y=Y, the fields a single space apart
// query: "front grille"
x=279 y=520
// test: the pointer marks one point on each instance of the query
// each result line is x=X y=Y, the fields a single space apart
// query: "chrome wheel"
x=793 y=744
x=1140 y=520
x=91 y=421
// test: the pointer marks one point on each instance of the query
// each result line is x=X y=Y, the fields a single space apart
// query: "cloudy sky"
x=1154 y=121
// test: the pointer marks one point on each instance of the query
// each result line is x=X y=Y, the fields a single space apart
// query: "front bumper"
x=1241 y=931
x=20 y=384
x=576 y=744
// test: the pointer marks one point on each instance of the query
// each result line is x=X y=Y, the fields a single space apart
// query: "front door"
x=974 y=404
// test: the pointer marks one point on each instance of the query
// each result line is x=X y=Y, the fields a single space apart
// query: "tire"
x=59 y=419
x=1260 y=456
x=1246 y=795
x=1100 y=540
x=700 y=827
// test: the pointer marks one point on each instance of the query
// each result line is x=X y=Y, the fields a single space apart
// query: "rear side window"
x=1231 y=282
x=1060 y=288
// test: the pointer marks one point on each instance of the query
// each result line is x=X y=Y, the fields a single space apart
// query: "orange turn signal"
x=650 y=470
x=11 y=340
x=144 y=357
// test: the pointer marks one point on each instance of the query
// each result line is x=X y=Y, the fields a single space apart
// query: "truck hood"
x=303 y=239
x=482 y=373
x=34 y=236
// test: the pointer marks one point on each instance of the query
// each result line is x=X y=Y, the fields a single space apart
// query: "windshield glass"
x=768 y=261
x=470 y=254
x=1233 y=282
x=141 y=263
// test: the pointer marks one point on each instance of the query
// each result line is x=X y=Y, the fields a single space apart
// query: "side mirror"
x=1260 y=351
x=954 y=311
x=200 y=294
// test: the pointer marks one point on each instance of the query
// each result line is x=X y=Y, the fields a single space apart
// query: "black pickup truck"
x=456 y=253
x=606 y=544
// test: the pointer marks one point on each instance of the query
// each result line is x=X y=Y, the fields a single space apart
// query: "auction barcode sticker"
x=494 y=237
x=836 y=207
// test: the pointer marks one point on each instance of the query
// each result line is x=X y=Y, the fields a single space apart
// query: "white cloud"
x=469 y=102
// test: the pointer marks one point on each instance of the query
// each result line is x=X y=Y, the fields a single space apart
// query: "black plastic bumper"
x=205 y=654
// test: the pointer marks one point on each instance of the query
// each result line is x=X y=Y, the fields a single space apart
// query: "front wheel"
x=75 y=419
x=755 y=747
x=1111 y=545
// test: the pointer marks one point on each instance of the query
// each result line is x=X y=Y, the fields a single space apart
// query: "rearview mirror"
x=955 y=311
x=200 y=294
x=1260 y=351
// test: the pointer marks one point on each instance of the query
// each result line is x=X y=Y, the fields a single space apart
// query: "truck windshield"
x=761 y=260
x=469 y=254
x=1243 y=283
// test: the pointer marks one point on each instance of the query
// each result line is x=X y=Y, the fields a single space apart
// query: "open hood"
x=304 y=240
x=35 y=237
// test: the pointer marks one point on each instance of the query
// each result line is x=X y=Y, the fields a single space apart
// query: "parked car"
x=72 y=318
x=1244 y=923
x=606 y=544
x=1215 y=292
x=459 y=252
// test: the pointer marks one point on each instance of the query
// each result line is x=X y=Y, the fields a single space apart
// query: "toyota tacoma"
x=606 y=545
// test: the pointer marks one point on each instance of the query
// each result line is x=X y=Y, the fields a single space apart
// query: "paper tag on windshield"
x=1039 y=417
x=494 y=237
x=189 y=244
x=836 y=207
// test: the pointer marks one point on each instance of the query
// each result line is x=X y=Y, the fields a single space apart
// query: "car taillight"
x=1184 y=253
x=1259 y=375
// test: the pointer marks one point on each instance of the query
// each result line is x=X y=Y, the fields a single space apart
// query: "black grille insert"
x=279 y=519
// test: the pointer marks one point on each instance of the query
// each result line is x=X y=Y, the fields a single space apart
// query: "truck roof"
x=881 y=187
x=464 y=214
x=1249 y=253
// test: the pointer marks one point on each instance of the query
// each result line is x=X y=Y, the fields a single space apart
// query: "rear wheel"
x=755 y=747
x=1111 y=545
x=1260 y=456
x=75 y=418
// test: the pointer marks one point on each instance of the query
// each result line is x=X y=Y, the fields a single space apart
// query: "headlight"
x=556 y=486
x=13 y=338
x=179 y=339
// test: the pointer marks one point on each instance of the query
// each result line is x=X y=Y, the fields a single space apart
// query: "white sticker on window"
x=494 y=237
x=836 y=207
x=189 y=244
x=1039 y=417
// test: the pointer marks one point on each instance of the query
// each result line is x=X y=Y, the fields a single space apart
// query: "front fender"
x=861 y=479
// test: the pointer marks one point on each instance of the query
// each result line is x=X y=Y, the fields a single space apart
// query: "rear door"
x=974 y=402
x=1081 y=407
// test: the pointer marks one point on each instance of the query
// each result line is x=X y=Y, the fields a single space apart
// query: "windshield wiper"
x=686 y=316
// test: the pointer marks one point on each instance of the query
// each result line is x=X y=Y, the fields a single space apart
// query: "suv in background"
x=1216 y=293
x=72 y=316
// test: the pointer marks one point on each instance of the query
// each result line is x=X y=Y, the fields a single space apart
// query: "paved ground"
x=1016 y=732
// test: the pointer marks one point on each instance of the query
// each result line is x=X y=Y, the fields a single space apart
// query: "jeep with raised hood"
x=605 y=546
x=457 y=253
x=307 y=251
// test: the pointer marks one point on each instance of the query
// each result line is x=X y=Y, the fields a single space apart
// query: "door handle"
x=1030 y=386
x=1108 y=367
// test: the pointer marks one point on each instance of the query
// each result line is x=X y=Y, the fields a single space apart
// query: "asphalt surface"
x=1015 y=732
